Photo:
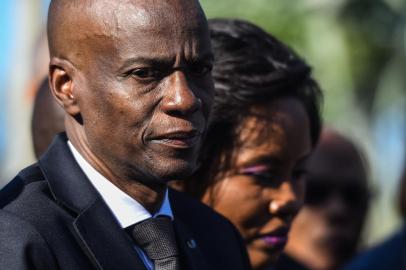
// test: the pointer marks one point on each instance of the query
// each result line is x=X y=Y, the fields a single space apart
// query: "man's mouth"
x=182 y=139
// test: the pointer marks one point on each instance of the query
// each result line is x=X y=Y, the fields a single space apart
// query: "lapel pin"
x=191 y=243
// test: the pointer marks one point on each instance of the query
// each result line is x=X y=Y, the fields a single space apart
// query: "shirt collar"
x=125 y=209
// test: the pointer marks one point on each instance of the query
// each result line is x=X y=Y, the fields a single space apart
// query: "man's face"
x=336 y=198
x=145 y=90
x=328 y=227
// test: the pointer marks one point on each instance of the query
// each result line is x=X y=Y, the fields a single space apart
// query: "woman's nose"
x=287 y=203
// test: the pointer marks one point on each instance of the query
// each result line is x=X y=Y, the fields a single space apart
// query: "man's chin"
x=177 y=171
x=178 y=175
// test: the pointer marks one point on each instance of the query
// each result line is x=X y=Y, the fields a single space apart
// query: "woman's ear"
x=61 y=83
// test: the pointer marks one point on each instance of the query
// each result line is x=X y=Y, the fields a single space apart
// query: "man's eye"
x=200 y=69
x=299 y=174
x=146 y=73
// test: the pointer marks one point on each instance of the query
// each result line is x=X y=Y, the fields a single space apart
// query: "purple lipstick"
x=275 y=240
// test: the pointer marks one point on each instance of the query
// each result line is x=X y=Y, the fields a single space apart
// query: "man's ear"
x=61 y=83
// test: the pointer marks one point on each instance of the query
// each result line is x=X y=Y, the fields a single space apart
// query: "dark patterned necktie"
x=156 y=237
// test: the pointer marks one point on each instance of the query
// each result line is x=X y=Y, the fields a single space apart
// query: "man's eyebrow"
x=156 y=61
x=145 y=61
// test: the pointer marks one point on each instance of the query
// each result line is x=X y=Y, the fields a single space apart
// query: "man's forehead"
x=102 y=21
x=139 y=32
x=117 y=16
x=337 y=165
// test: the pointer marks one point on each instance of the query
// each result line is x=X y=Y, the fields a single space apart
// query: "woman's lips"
x=275 y=241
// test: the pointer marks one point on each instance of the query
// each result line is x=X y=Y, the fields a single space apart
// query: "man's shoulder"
x=29 y=197
x=14 y=230
x=21 y=215
x=187 y=207
x=22 y=246
x=24 y=182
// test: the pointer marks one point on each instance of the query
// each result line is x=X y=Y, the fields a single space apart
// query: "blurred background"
x=357 y=49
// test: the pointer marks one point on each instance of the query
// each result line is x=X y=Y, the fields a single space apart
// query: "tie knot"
x=156 y=237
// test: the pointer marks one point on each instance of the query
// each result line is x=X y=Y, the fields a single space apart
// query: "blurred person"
x=391 y=253
x=47 y=119
x=39 y=65
x=326 y=232
x=23 y=85
x=134 y=80
x=264 y=124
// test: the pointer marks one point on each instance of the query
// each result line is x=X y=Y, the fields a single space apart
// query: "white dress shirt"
x=125 y=209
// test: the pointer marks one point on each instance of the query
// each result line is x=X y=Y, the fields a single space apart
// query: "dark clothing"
x=51 y=217
x=286 y=262
x=391 y=255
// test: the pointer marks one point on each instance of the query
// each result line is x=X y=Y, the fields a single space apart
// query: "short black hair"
x=251 y=67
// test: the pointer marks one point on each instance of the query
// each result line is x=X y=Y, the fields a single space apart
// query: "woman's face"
x=263 y=190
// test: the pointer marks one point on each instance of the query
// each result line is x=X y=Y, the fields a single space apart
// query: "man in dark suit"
x=134 y=80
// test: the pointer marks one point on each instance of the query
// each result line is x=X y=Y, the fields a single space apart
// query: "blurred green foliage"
x=349 y=43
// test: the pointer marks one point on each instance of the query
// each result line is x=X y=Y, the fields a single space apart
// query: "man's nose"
x=337 y=208
x=287 y=203
x=179 y=98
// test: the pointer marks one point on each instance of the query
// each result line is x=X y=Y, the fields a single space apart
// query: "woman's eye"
x=260 y=173
x=264 y=176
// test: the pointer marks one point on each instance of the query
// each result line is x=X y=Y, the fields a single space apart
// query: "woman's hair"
x=251 y=68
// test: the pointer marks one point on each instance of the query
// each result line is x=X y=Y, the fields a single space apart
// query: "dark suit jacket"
x=51 y=217
x=391 y=255
x=286 y=262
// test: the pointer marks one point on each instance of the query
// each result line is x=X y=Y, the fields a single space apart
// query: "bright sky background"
x=8 y=18
x=6 y=22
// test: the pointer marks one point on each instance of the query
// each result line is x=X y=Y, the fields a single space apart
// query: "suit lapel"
x=104 y=241
x=95 y=228
x=192 y=257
